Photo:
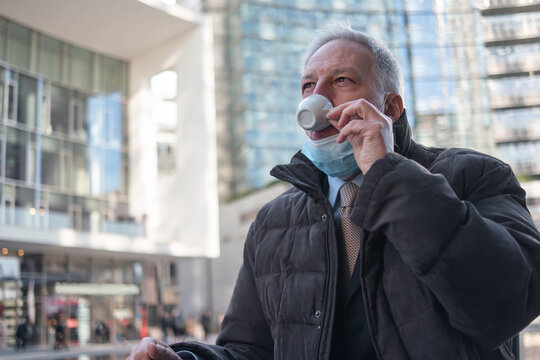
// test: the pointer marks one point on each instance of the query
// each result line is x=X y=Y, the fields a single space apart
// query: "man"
x=435 y=256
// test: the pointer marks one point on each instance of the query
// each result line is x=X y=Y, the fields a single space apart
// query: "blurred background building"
x=511 y=35
x=103 y=105
x=114 y=115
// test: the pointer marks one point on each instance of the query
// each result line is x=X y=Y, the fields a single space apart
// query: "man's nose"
x=321 y=89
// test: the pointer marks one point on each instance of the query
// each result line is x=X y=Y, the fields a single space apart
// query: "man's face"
x=341 y=70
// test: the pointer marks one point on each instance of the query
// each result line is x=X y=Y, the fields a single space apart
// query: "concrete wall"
x=235 y=220
x=181 y=208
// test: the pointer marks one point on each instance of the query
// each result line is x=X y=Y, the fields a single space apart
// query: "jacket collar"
x=403 y=143
x=302 y=173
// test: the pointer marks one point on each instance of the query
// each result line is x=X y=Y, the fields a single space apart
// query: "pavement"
x=46 y=353
x=120 y=349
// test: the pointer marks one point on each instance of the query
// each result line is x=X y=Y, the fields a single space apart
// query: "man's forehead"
x=339 y=54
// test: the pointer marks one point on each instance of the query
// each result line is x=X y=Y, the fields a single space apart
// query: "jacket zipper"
x=330 y=216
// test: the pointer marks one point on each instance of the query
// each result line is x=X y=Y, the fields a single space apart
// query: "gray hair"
x=386 y=66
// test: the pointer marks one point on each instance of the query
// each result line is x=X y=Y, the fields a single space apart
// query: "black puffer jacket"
x=450 y=261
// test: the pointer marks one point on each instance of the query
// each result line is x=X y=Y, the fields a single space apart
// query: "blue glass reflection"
x=104 y=141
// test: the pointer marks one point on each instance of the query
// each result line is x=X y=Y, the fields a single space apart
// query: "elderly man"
x=383 y=248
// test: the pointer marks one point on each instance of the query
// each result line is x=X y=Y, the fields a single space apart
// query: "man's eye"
x=307 y=86
x=341 y=79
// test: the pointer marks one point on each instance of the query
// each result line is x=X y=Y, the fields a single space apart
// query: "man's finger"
x=355 y=128
x=159 y=352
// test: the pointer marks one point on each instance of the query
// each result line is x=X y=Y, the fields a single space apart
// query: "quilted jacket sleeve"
x=463 y=228
x=244 y=334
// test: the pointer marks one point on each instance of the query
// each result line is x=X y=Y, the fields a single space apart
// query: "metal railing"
x=498 y=4
x=55 y=220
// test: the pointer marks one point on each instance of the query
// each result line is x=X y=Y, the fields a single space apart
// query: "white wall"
x=182 y=208
x=236 y=218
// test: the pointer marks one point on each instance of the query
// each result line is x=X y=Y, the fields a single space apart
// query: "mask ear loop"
x=383 y=106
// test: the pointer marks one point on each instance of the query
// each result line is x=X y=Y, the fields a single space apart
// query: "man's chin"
x=324 y=133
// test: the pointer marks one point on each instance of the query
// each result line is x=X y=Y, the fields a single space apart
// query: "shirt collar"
x=334 y=184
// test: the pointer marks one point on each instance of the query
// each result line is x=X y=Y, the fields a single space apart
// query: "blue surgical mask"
x=336 y=160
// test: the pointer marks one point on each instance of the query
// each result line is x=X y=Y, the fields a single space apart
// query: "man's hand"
x=152 y=349
x=367 y=129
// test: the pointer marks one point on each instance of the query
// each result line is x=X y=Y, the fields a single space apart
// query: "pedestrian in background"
x=23 y=333
x=60 y=333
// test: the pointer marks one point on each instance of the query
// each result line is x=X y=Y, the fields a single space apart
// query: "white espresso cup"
x=311 y=112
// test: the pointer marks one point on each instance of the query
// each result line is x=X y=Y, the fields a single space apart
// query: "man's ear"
x=394 y=106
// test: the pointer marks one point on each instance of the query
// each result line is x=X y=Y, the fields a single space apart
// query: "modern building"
x=512 y=43
x=104 y=109
x=511 y=35
x=438 y=43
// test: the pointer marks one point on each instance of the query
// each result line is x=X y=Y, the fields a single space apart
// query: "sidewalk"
x=47 y=353
x=43 y=353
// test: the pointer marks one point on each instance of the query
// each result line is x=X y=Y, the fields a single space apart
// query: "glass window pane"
x=92 y=206
x=81 y=73
x=2 y=82
x=58 y=211
x=125 y=174
x=3 y=37
x=80 y=121
x=19 y=159
x=2 y=157
x=50 y=161
x=26 y=100
x=25 y=206
x=60 y=109
x=79 y=116
x=113 y=75
x=12 y=100
x=97 y=64
x=66 y=59
x=19 y=46
x=80 y=176
x=112 y=167
x=67 y=165
x=51 y=54
x=34 y=52
x=113 y=120
x=125 y=124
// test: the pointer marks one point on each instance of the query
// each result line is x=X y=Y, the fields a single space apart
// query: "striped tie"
x=351 y=232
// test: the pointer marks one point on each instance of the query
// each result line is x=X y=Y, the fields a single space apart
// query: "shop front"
x=69 y=301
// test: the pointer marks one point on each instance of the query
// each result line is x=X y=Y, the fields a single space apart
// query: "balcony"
x=501 y=66
x=55 y=220
x=514 y=92
x=499 y=7
x=513 y=101
x=504 y=134
x=530 y=167
x=522 y=157
x=512 y=29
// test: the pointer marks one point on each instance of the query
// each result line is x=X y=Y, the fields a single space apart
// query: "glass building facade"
x=512 y=45
x=63 y=141
x=64 y=167
x=438 y=44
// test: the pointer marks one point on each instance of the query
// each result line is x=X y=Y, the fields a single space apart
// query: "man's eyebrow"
x=336 y=72
x=347 y=70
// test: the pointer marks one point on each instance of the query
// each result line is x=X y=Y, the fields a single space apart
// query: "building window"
x=19 y=46
x=164 y=90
